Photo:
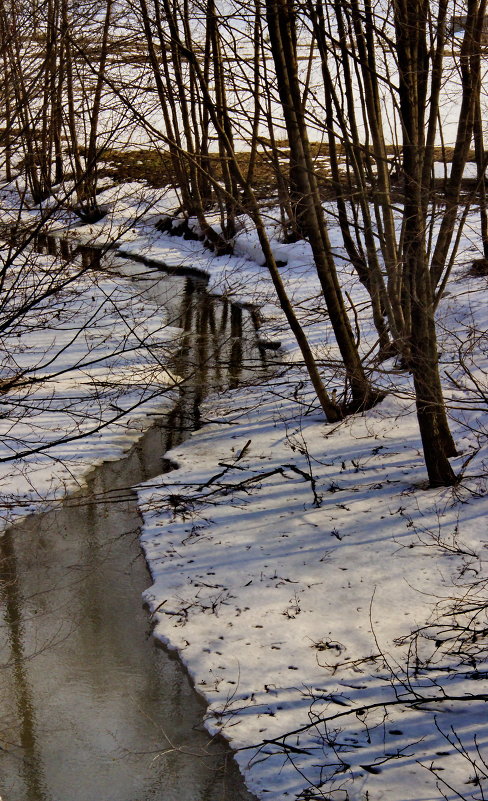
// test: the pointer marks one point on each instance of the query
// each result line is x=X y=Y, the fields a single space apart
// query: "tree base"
x=479 y=268
x=372 y=398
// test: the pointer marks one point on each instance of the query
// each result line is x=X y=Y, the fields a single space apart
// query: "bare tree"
x=395 y=66
x=234 y=91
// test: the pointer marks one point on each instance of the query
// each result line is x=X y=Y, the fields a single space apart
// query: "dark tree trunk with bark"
x=438 y=446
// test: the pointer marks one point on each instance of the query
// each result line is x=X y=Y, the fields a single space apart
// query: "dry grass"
x=154 y=165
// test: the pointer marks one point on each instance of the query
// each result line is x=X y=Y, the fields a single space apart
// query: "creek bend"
x=90 y=708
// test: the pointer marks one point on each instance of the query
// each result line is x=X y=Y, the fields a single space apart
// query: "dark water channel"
x=90 y=708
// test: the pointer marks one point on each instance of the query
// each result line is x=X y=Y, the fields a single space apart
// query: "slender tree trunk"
x=89 y=204
x=228 y=223
x=481 y=163
x=331 y=410
x=74 y=148
x=257 y=37
x=470 y=75
x=58 y=91
x=6 y=136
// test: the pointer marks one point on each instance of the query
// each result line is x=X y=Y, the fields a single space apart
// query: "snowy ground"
x=293 y=562
x=89 y=363
x=329 y=607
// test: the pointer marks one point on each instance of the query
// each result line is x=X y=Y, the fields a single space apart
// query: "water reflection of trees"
x=14 y=661
x=218 y=349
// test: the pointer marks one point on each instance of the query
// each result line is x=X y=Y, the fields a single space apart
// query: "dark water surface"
x=90 y=708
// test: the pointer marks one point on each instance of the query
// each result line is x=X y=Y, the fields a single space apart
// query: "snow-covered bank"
x=288 y=559
x=87 y=352
x=91 y=403
x=313 y=585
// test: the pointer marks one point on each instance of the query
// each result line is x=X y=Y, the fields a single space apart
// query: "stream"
x=91 y=708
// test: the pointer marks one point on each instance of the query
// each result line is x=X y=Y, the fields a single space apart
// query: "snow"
x=305 y=574
x=97 y=352
x=287 y=600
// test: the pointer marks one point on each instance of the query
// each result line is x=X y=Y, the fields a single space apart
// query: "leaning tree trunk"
x=309 y=211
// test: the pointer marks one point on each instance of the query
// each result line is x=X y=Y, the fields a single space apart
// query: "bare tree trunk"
x=309 y=214
x=410 y=19
x=88 y=194
x=470 y=74
x=257 y=38
x=365 y=263
x=228 y=223
x=6 y=135
x=331 y=410
x=74 y=149
x=481 y=163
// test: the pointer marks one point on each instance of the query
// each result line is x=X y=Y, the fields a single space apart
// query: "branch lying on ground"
x=177 y=500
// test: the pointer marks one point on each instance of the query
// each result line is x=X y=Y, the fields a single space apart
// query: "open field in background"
x=154 y=165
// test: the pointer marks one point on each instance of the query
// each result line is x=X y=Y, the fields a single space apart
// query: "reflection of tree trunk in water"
x=65 y=250
x=225 y=314
x=214 y=342
x=91 y=257
x=211 y=350
x=187 y=306
x=201 y=333
x=12 y=599
x=236 y=321
x=211 y=317
x=189 y=364
x=185 y=416
x=235 y=363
